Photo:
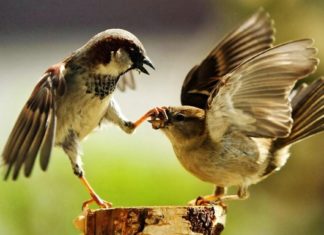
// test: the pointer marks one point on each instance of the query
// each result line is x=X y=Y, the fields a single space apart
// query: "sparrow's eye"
x=179 y=117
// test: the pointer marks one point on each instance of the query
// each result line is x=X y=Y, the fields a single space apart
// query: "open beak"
x=148 y=62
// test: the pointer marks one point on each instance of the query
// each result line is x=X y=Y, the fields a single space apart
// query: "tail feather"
x=307 y=113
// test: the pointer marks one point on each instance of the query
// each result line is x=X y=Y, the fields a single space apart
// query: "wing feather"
x=254 y=97
x=35 y=126
x=38 y=138
x=48 y=140
x=255 y=35
x=35 y=132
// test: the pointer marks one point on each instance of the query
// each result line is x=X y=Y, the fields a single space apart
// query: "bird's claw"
x=96 y=199
x=159 y=117
x=206 y=201
x=159 y=113
x=153 y=114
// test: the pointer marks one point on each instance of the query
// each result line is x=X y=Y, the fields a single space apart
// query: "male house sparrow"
x=72 y=98
x=237 y=121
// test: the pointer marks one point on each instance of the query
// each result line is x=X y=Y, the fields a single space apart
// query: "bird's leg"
x=71 y=148
x=94 y=197
x=214 y=198
x=242 y=194
x=115 y=116
x=155 y=112
x=220 y=196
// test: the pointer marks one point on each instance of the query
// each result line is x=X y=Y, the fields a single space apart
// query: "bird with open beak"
x=239 y=116
x=71 y=99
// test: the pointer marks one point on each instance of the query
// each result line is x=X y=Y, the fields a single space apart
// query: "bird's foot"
x=159 y=118
x=156 y=112
x=207 y=201
x=96 y=199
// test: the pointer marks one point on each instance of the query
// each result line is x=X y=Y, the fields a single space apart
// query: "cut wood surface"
x=167 y=220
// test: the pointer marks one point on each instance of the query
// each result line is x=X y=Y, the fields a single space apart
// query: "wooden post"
x=193 y=220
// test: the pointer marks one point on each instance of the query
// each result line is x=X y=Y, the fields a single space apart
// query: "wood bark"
x=193 y=220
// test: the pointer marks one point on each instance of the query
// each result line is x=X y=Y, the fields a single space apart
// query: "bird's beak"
x=148 y=62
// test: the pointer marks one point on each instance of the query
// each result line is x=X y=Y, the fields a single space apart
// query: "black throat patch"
x=101 y=85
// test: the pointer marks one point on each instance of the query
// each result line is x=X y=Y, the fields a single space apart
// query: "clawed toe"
x=207 y=201
x=94 y=197
x=101 y=203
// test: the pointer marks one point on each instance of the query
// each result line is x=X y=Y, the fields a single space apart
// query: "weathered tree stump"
x=154 y=221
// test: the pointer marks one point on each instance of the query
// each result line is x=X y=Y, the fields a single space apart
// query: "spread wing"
x=254 y=97
x=127 y=80
x=255 y=35
x=34 y=130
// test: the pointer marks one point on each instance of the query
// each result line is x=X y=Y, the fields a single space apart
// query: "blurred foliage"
x=142 y=169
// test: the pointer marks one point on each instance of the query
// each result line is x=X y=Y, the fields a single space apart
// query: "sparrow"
x=239 y=115
x=72 y=98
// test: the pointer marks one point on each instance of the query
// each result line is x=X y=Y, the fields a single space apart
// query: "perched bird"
x=72 y=98
x=239 y=116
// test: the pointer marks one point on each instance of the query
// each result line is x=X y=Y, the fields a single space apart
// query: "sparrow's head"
x=180 y=123
x=114 y=52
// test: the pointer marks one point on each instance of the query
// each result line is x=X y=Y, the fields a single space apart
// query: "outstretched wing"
x=126 y=81
x=254 y=97
x=254 y=36
x=34 y=130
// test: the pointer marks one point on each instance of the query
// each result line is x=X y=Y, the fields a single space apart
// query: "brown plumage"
x=254 y=36
x=72 y=98
x=241 y=127
x=34 y=130
x=307 y=113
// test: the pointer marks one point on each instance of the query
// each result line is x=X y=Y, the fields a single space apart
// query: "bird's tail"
x=307 y=113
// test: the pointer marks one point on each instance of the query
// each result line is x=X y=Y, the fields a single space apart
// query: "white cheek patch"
x=119 y=63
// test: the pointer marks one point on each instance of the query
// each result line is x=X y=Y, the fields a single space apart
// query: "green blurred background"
x=141 y=170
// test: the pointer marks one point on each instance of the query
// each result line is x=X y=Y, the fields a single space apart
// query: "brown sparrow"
x=239 y=116
x=72 y=98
